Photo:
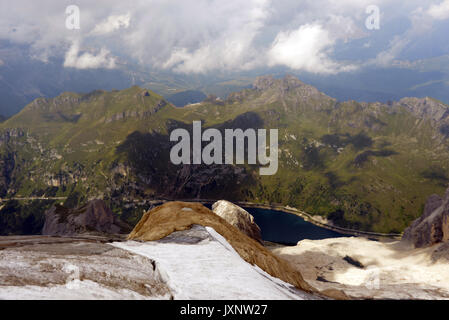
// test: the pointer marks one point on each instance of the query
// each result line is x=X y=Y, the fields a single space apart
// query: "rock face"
x=426 y=108
x=263 y=83
x=238 y=217
x=94 y=217
x=47 y=269
x=433 y=226
x=175 y=216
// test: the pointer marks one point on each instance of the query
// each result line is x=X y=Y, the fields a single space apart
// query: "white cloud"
x=422 y=21
x=73 y=59
x=305 y=49
x=386 y=57
x=112 y=23
x=202 y=36
x=232 y=49
x=343 y=27
x=439 y=11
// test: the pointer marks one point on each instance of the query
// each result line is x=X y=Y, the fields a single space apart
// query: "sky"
x=323 y=37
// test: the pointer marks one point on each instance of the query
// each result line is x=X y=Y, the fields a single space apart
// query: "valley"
x=364 y=166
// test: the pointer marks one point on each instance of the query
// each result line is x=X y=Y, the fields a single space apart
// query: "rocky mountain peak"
x=426 y=108
x=290 y=81
x=286 y=83
x=263 y=82
x=51 y=104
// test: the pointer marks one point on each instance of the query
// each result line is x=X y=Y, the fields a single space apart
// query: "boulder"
x=93 y=218
x=433 y=226
x=238 y=217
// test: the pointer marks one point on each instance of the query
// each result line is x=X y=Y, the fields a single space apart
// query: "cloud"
x=305 y=49
x=234 y=48
x=207 y=36
x=112 y=23
x=73 y=59
x=230 y=49
x=421 y=25
x=387 y=57
x=439 y=11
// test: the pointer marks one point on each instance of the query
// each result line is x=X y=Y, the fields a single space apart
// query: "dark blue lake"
x=287 y=228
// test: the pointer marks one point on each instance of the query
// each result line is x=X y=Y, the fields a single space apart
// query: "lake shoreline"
x=307 y=217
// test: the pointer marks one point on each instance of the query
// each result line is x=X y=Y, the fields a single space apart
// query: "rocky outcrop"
x=238 y=217
x=263 y=82
x=42 y=268
x=433 y=226
x=266 y=82
x=170 y=217
x=426 y=108
x=366 y=269
x=137 y=114
x=93 y=218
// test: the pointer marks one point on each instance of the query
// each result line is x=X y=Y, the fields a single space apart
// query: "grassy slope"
x=365 y=166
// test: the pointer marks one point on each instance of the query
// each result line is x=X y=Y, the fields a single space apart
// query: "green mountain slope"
x=366 y=166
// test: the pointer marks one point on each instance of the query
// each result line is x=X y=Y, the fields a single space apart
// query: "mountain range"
x=23 y=79
x=367 y=166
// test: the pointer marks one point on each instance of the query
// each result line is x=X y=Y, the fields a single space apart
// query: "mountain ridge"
x=362 y=165
x=261 y=84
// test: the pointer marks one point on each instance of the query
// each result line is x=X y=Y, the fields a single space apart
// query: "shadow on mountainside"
x=148 y=156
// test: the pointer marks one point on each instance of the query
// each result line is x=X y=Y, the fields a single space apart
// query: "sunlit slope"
x=368 y=166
